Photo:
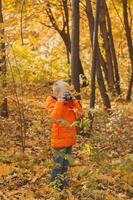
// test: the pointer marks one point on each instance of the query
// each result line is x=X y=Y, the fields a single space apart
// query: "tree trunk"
x=114 y=58
x=129 y=92
x=3 y=99
x=67 y=42
x=104 y=34
x=94 y=59
x=102 y=88
x=100 y=78
x=64 y=32
x=66 y=13
x=75 y=61
x=90 y=18
x=130 y=46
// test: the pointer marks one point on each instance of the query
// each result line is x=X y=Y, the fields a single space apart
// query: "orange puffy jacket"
x=64 y=115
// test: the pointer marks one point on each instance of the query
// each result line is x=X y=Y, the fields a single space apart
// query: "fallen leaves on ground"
x=101 y=166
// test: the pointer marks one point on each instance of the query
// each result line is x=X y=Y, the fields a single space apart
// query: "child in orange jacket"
x=64 y=111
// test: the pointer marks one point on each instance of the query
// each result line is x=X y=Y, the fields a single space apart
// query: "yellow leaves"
x=75 y=183
x=33 y=40
x=130 y=179
x=12 y=193
x=130 y=157
x=70 y=196
x=110 y=197
x=3 y=196
x=40 y=170
x=29 y=195
x=106 y=178
x=45 y=190
x=87 y=150
x=1 y=26
x=11 y=152
x=5 y=169
x=39 y=173
x=23 y=52
x=20 y=157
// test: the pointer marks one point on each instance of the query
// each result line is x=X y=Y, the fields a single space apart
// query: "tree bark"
x=64 y=32
x=100 y=60
x=113 y=52
x=94 y=58
x=75 y=61
x=130 y=46
x=67 y=42
x=90 y=18
x=3 y=101
x=66 y=13
x=103 y=91
x=105 y=36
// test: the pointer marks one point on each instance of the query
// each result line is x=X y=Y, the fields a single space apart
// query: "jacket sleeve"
x=55 y=108
x=78 y=109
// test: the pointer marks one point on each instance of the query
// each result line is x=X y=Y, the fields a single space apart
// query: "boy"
x=64 y=110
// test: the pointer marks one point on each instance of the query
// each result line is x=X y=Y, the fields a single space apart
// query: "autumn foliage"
x=36 y=49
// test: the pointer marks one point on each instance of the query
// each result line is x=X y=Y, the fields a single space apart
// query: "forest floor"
x=102 y=164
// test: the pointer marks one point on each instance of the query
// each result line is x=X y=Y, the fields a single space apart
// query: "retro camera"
x=67 y=96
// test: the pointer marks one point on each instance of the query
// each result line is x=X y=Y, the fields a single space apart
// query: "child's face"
x=60 y=92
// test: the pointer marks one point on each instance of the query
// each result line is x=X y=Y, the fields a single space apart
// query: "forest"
x=87 y=45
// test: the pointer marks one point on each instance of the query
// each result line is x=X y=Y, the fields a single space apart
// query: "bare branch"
x=48 y=26
x=21 y=22
x=51 y=18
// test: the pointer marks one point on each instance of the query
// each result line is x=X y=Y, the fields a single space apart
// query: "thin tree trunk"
x=114 y=58
x=3 y=100
x=94 y=63
x=90 y=18
x=129 y=92
x=102 y=88
x=67 y=42
x=105 y=36
x=64 y=32
x=75 y=61
x=100 y=78
x=130 y=46
x=66 y=13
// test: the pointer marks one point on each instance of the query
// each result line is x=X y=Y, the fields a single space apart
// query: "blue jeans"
x=61 y=163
